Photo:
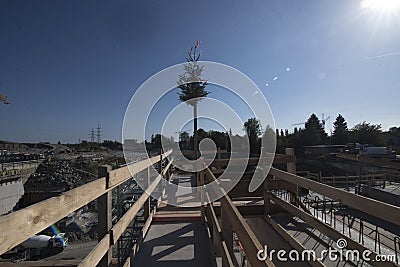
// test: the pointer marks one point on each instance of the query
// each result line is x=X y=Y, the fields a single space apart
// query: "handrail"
x=18 y=226
x=251 y=244
x=377 y=208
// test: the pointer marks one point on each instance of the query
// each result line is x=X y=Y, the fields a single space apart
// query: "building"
x=319 y=150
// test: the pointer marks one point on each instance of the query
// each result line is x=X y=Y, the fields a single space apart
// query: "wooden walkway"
x=176 y=237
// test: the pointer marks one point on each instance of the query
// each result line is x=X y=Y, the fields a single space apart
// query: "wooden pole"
x=227 y=231
x=160 y=185
x=202 y=197
x=104 y=215
x=291 y=168
x=147 y=203
x=267 y=198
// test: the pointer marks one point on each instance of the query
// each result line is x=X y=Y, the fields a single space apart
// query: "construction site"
x=88 y=211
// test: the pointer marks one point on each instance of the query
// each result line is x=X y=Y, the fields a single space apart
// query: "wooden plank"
x=245 y=208
x=326 y=229
x=377 y=208
x=18 y=226
x=227 y=231
x=291 y=240
x=124 y=222
x=247 y=238
x=146 y=207
x=127 y=262
x=97 y=253
x=164 y=172
x=291 y=166
x=104 y=216
x=147 y=224
x=226 y=258
x=217 y=238
x=279 y=159
x=120 y=175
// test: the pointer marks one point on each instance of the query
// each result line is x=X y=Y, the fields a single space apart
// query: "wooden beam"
x=291 y=240
x=376 y=208
x=124 y=222
x=97 y=253
x=146 y=207
x=226 y=231
x=218 y=239
x=120 y=175
x=326 y=229
x=18 y=226
x=127 y=262
x=244 y=209
x=291 y=166
x=164 y=172
x=104 y=216
x=278 y=159
x=247 y=238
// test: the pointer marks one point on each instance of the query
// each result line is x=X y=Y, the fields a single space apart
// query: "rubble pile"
x=57 y=175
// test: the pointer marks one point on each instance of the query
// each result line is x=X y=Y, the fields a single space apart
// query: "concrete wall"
x=10 y=193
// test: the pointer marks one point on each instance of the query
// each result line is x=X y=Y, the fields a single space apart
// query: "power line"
x=98 y=134
x=91 y=134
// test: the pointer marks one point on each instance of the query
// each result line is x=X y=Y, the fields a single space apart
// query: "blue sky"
x=67 y=66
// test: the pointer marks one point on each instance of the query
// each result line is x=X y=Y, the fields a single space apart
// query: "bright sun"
x=381 y=5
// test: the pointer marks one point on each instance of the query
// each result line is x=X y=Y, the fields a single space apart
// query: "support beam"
x=379 y=209
x=227 y=231
x=291 y=240
x=104 y=213
x=146 y=212
x=326 y=229
x=291 y=168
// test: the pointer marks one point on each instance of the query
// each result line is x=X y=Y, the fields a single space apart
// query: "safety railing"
x=18 y=226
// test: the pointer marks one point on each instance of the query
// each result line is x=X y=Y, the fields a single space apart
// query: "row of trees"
x=314 y=134
x=193 y=90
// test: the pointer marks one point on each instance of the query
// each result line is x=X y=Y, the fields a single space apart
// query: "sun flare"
x=381 y=5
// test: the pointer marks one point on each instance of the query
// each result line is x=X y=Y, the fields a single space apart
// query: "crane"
x=324 y=120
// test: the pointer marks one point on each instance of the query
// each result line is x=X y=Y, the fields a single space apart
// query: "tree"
x=184 y=140
x=192 y=86
x=340 y=133
x=253 y=129
x=314 y=133
x=366 y=133
x=4 y=99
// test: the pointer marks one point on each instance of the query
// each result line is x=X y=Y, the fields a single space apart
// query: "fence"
x=18 y=226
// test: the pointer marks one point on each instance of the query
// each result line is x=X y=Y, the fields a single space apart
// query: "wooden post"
x=267 y=198
x=202 y=197
x=218 y=156
x=291 y=168
x=104 y=215
x=216 y=244
x=147 y=203
x=227 y=230
x=160 y=184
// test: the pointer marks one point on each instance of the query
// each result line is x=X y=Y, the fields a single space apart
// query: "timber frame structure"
x=225 y=219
